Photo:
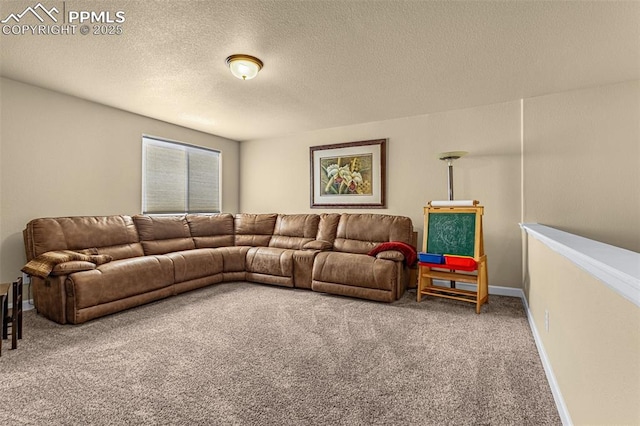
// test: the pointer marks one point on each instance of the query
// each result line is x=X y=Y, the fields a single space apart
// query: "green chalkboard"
x=451 y=233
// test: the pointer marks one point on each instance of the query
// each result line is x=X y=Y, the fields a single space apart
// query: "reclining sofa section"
x=160 y=256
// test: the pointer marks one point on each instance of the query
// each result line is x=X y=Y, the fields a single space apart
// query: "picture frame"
x=349 y=175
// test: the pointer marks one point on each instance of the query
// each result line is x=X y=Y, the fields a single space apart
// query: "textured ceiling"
x=327 y=63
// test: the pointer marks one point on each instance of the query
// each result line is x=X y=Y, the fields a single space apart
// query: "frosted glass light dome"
x=244 y=67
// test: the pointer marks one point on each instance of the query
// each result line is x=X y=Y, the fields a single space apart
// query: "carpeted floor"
x=249 y=354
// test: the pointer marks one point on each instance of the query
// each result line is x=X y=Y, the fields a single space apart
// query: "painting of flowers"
x=348 y=175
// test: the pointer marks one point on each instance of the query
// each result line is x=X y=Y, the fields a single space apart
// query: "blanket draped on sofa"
x=42 y=265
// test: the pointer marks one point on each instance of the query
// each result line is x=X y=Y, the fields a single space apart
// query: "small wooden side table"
x=4 y=303
x=13 y=315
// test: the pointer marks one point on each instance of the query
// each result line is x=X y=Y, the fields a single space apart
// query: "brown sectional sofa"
x=160 y=256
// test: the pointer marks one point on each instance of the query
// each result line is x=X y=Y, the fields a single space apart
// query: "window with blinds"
x=179 y=178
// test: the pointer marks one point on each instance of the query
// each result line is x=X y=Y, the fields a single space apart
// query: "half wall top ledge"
x=616 y=267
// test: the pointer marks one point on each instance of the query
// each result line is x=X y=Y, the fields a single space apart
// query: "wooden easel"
x=454 y=235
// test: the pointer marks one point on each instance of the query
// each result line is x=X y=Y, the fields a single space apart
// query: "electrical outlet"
x=26 y=279
x=546 y=320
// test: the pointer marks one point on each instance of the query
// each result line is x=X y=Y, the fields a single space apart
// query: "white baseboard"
x=551 y=378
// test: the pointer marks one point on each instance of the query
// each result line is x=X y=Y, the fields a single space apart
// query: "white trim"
x=616 y=267
x=522 y=159
x=551 y=378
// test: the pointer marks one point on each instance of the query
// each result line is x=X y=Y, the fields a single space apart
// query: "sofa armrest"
x=318 y=245
x=390 y=255
x=70 y=267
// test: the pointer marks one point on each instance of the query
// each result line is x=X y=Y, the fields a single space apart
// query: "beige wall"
x=581 y=156
x=275 y=172
x=581 y=174
x=64 y=156
x=580 y=153
x=593 y=344
x=582 y=163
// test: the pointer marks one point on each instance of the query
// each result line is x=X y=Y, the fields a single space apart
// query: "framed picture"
x=349 y=175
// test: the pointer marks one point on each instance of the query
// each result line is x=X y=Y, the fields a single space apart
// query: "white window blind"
x=179 y=178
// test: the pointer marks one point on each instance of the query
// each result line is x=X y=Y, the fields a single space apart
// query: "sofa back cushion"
x=163 y=234
x=328 y=227
x=254 y=229
x=294 y=230
x=113 y=235
x=211 y=231
x=359 y=233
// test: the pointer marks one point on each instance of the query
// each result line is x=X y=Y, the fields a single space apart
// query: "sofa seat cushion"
x=270 y=261
x=356 y=270
x=197 y=263
x=119 y=279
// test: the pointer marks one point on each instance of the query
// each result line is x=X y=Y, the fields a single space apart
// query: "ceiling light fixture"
x=244 y=67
